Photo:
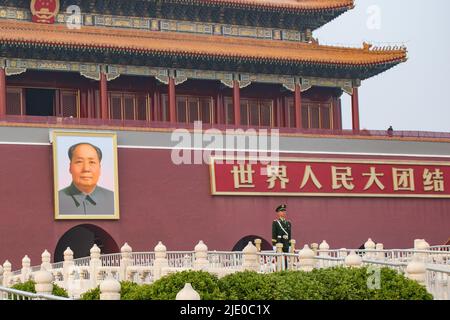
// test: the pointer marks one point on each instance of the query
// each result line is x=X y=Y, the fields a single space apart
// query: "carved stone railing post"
x=421 y=245
x=250 y=258
x=280 y=257
x=201 y=256
x=125 y=260
x=323 y=252
x=325 y=247
x=353 y=260
x=46 y=265
x=6 y=273
x=94 y=265
x=292 y=246
x=44 y=282
x=369 y=246
x=160 y=260
x=110 y=289
x=258 y=243
x=291 y=259
x=68 y=267
x=306 y=259
x=379 y=251
x=416 y=270
x=26 y=269
x=188 y=293
x=314 y=247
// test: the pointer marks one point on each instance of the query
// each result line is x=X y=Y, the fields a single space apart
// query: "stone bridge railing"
x=428 y=265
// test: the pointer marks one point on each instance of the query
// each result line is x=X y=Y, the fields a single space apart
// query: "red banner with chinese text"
x=331 y=177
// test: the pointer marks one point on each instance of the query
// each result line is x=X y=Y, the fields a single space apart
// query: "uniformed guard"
x=281 y=229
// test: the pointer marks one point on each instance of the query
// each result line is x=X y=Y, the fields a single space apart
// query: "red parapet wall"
x=160 y=201
x=164 y=126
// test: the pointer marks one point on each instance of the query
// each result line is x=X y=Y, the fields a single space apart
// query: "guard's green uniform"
x=281 y=233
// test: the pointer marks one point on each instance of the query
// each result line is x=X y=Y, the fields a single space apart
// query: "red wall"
x=161 y=201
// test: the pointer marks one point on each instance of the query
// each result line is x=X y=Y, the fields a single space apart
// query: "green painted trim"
x=92 y=71
x=164 y=25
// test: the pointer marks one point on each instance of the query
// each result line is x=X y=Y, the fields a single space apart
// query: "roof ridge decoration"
x=300 y=5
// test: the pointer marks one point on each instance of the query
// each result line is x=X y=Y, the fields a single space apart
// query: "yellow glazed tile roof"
x=168 y=43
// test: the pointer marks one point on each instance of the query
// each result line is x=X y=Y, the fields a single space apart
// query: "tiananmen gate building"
x=139 y=69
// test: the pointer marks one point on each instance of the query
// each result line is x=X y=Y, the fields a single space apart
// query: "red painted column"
x=277 y=117
x=156 y=105
x=172 y=101
x=237 y=103
x=91 y=103
x=103 y=97
x=83 y=103
x=282 y=112
x=355 y=110
x=219 y=109
x=337 y=114
x=298 y=106
x=2 y=92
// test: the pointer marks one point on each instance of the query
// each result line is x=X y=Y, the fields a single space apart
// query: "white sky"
x=413 y=95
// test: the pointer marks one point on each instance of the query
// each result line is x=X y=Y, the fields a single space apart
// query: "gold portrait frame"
x=55 y=136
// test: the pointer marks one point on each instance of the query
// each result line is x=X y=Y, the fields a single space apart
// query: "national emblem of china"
x=44 y=11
